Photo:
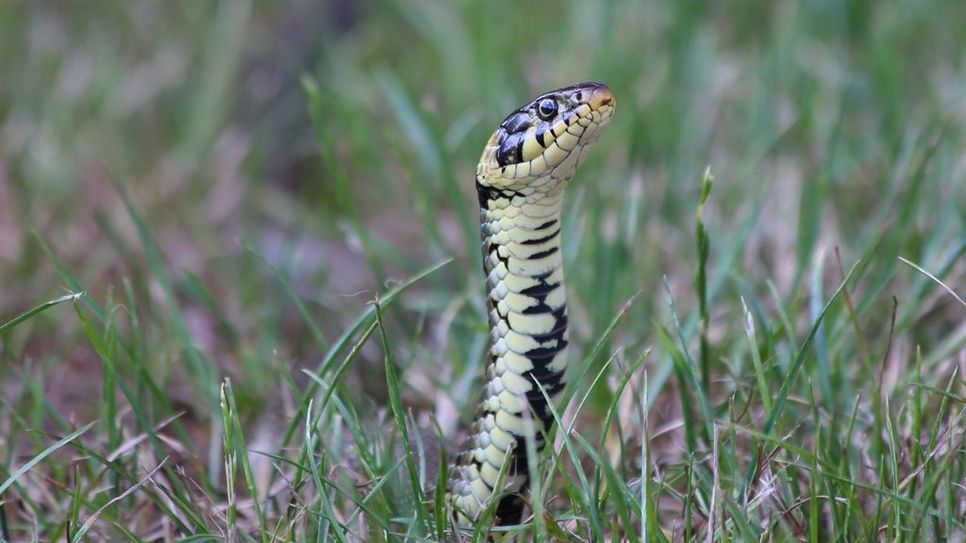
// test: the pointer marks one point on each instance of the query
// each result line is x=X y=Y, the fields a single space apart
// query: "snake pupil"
x=547 y=109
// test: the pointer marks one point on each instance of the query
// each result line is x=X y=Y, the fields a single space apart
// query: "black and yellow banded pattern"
x=521 y=178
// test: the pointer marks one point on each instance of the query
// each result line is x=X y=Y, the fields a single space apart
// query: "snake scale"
x=526 y=165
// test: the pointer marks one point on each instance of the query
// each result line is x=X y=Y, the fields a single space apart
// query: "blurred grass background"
x=231 y=184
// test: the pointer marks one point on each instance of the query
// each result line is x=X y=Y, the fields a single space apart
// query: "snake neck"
x=527 y=303
x=528 y=330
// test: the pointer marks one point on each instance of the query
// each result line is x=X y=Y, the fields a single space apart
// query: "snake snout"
x=601 y=96
x=595 y=93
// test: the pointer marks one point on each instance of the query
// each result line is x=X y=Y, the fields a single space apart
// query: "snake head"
x=546 y=139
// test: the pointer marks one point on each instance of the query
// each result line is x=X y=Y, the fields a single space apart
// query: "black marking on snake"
x=539 y=241
x=543 y=254
x=540 y=290
x=504 y=259
x=519 y=151
x=483 y=194
x=552 y=383
x=510 y=150
x=552 y=386
x=486 y=194
x=543 y=353
x=510 y=508
x=539 y=403
x=539 y=308
x=559 y=327
x=547 y=224
x=539 y=135
x=544 y=374
x=516 y=122
x=539 y=293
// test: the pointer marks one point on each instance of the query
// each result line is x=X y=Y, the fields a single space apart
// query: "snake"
x=521 y=177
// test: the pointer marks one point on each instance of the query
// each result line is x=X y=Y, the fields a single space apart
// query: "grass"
x=241 y=297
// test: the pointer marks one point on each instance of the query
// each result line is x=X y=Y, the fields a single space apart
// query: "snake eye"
x=547 y=108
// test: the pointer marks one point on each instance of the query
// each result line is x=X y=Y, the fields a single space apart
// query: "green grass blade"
x=37 y=309
x=39 y=457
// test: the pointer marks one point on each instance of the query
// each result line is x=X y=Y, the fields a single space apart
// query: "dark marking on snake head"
x=510 y=151
x=517 y=122
x=539 y=135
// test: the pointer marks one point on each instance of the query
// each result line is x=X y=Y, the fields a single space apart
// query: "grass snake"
x=526 y=165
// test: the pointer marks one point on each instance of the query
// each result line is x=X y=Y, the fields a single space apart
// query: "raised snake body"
x=521 y=178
